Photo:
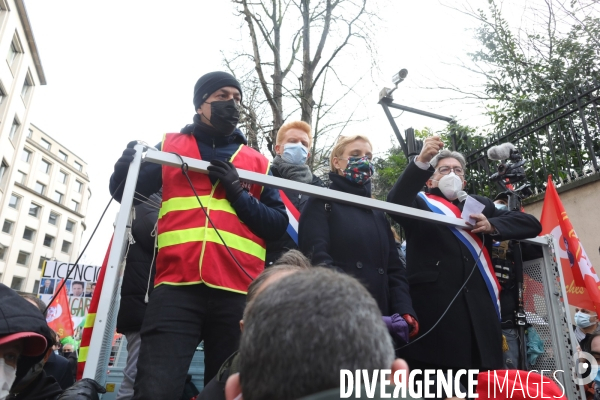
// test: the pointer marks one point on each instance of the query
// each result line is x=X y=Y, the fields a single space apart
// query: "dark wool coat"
x=138 y=267
x=276 y=248
x=359 y=242
x=438 y=264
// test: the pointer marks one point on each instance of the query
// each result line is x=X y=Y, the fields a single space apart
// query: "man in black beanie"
x=201 y=280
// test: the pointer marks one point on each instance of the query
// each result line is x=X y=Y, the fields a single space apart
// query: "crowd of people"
x=285 y=290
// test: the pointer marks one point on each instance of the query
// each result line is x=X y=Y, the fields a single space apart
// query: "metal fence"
x=561 y=138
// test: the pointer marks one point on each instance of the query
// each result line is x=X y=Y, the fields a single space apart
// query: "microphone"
x=500 y=152
x=462 y=195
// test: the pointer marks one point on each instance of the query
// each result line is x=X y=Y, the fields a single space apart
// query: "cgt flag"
x=59 y=314
x=581 y=280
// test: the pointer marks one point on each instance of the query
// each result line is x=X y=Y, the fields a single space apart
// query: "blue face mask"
x=582 y=320
x=501 y=206
x=295 y=153
x=597 y=378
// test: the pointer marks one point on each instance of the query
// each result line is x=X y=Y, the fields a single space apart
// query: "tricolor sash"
x=293 y=216
x=442 y=206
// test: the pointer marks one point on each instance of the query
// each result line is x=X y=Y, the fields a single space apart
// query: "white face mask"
x=7 y=377
x=450 y=185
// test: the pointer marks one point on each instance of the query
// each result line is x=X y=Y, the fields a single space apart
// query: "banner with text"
x=79 y=287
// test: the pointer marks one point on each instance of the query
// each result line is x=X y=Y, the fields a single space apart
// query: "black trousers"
x=177 y=319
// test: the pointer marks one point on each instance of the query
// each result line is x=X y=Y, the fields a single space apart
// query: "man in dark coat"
x=438 y=264
x=293 y=143
x=138 y=282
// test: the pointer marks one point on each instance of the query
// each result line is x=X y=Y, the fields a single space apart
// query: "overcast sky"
x=124 y=70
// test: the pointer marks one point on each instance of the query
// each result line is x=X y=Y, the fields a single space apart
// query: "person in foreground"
x=314 y=323
x=25 y=344
x=441 y=259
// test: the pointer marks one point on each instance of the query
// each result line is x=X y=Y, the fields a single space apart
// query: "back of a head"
x=301 y=330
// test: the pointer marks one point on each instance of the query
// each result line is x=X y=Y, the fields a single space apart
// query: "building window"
x=17 y=283
x=40 y=188
x=29 y=234
x=62 y=155
x=78 y=166
x=66 y=247
x=27 y=85
x=36 y=286
x=44 y=166
x=42 y=261
x=29 y=133
x=74 y=205
x=34 y=210
x=58 y=197
x=13 y=129
x=14 y=201
x=21 y=177
x=78 y=186
x=3 y=171
x=23 y=258
x=70 y=225
x=53 y=218
x=46 y=144
x=2 y=94
x=7 y=227
x=13 y=51
x=48 y=240
x=26 y=155
x=62 y=177
x=3 y=251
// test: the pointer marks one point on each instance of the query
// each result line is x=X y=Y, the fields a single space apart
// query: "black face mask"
x=224 y=116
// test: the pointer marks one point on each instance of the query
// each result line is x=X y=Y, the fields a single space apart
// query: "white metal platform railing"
x=104 y=326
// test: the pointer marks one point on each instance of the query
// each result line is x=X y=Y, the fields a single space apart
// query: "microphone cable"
x=184 y=169
x=451 y=302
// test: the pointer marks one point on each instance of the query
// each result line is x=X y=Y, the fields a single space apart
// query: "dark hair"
x=77 y=283
x=38 y=302
x=313 y=322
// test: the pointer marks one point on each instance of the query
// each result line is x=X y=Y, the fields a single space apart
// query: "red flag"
x=59 y=314
x=581 y=280
x=90 y=318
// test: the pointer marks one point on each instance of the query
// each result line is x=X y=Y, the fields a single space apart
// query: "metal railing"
x=99 y=353
x=560 y=138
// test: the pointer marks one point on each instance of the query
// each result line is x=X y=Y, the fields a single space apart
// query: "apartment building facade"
x=44 y=187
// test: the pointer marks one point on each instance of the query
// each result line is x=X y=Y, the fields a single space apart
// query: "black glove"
x=85 y=389
x=122 y=164
x=227 y=174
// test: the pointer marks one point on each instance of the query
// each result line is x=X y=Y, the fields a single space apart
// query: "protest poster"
x=79 y=288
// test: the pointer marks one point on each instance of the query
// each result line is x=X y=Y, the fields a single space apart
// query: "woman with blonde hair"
x=355 y=240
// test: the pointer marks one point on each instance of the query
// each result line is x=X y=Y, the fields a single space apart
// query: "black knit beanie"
x=211 y=82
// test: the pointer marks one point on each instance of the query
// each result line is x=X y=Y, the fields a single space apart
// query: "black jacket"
x=275 y=248
x=267 y=218
x=359 y=242
x=438 y=265
x=58 y=367
x=139 y=270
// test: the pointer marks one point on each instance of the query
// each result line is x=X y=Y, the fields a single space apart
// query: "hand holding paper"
x=471 y=207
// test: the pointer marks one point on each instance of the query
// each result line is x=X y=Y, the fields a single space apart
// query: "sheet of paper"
x=471 y=207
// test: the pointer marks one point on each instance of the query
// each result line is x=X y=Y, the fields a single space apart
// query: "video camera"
x=509 y=172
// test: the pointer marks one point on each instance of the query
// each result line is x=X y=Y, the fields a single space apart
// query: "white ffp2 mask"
x=450 y=185
x=7 y=376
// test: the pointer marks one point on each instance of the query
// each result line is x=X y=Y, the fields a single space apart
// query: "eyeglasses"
x=446 y=170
